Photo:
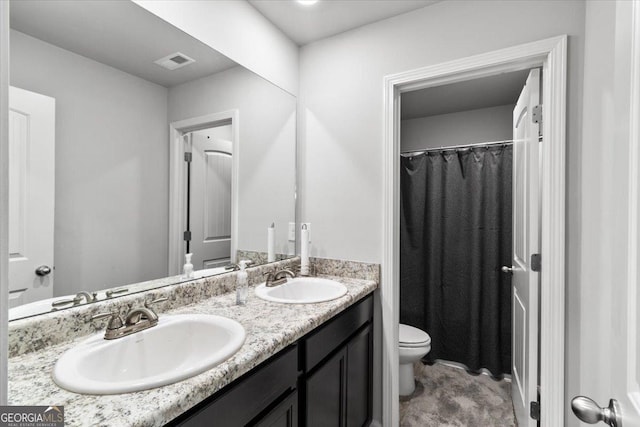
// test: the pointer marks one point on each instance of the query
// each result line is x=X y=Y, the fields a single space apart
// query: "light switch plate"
x=292 y=232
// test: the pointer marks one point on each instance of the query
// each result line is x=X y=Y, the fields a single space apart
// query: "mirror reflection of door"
x=31 y=196
x=210 y=209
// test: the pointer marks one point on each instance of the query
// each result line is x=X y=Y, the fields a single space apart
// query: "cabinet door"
x=283 y=415
x=245 y=399
x=359 y=378
x=325 y=391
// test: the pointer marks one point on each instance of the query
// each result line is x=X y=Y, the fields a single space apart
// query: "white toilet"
x=414 y=345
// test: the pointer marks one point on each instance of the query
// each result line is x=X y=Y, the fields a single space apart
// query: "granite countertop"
x=269 y=326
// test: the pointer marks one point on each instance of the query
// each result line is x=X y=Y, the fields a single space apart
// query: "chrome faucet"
x=86 y=296
x=278 y=277
x=77 y=300
x=141 y=315
x=138 y=319
x=114 y=326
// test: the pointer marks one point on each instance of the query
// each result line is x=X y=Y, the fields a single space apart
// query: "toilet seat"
x=411 y=337
x=413 y=345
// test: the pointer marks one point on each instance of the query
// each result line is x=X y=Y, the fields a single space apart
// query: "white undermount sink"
x=178 y=347
x=302 y=290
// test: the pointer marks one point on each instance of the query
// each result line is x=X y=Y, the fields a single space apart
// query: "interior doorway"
x=208 y=208
x=550 y=56
x=31 y=197
x=203 y=191
x=469 y=226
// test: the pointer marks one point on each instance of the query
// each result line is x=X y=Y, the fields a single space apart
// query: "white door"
x=526 y=243
x=31 y=196
x=610 y=285
x=210 y=200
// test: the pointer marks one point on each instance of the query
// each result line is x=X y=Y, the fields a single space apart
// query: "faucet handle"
x=64 y=302
x=111 y=292
x=148 y=304
x=115 y=321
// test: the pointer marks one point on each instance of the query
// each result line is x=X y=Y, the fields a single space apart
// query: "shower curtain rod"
x=454 y=147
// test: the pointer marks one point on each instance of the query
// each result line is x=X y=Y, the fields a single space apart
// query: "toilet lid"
x=413 y=337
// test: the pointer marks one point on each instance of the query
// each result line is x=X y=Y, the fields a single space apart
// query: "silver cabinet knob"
x=506 y=269
x=43 y=270
x=589 y=411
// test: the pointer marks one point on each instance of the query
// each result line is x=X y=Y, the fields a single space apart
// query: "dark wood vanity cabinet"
x=260 y=391
x=324 y=379
x=284 y=414
x=359 y=376
x=338 y=388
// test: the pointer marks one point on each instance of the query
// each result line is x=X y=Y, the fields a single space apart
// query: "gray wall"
x=111 y=216
x=340 y=103
x=266 y=148
x=341 y=112
x=461 y=128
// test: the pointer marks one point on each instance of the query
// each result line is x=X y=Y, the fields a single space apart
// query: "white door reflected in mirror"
x=210 y=201
x=31 y=196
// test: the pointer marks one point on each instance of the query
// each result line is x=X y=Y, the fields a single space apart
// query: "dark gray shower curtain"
x=455 y=236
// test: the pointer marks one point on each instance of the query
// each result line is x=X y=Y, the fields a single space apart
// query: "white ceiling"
x=120 y=34
x=501 y=89
x=305 y=24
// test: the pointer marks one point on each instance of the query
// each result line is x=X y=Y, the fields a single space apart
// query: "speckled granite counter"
x=270 y=327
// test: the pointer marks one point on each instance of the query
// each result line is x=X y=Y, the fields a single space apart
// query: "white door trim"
x=633 y=250
x=4 y=196
x=177 y=183
x=551 y=55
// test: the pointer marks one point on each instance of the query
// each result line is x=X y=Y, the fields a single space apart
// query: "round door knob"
x=588 y=411
x=43 y=270
x=506 y=269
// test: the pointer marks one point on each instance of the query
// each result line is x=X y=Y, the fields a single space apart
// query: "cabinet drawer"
x=319 y=344
x=240 y=402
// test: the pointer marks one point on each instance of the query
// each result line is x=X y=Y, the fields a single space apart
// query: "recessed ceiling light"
x=307 y=2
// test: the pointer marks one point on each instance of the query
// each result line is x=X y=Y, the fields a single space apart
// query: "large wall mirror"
x=131 y=144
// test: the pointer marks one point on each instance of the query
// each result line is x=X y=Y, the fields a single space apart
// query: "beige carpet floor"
x=450 y=397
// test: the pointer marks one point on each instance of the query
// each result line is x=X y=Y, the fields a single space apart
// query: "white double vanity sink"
x=202 y=343
x=178 y=347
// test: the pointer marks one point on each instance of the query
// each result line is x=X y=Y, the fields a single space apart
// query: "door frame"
x=177 y=181
x=627 y=128
x=634 y=208
x=551 y=55
x=4 y=197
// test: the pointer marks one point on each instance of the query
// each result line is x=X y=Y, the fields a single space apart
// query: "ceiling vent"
x=174 y=61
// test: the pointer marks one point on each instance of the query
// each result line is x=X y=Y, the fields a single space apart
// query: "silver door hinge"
x=187 y=236
x=536 y=114
x=187 y=157
x=536 y=262
x=534 y=410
